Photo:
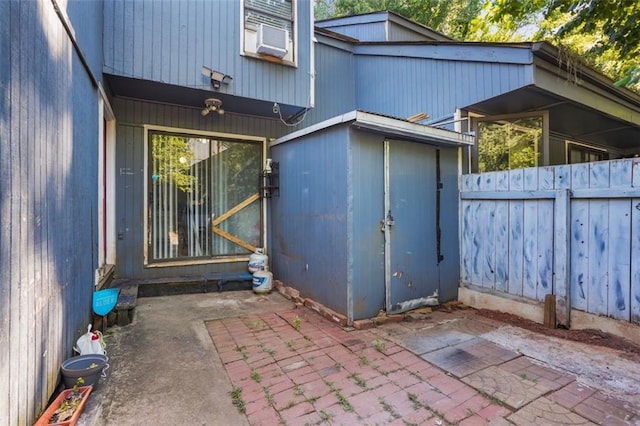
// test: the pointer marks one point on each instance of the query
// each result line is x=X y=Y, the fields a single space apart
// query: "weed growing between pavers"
x=416 y=403
x=363 y=361
x=297 y=322
x=236 y=399
x=243 y=351
x=297 y=390
x=344 y=402
x=378 y=344
x=389 y=408
x=269 y=397
x=326 y=417
x=256 y=376
x=259 y=324
x=291 y=345
x=359 y=380
x=267 y=350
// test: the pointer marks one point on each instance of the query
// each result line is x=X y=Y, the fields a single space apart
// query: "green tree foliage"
x=451 y=17
x=605 y=33
x=172 y=160
x=507 y=145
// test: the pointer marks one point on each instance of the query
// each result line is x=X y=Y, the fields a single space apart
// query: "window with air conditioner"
x=269 y=29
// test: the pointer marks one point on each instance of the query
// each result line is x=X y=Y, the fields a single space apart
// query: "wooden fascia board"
x=388 y=126
x=586 y=94
x=464 y=52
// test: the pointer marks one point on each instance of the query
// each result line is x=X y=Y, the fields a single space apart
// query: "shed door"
x=410 y=225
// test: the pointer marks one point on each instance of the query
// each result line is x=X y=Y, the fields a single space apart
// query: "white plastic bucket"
x=262 y=281
x=258 y=261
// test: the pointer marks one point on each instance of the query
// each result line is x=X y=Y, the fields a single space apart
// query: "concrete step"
x=130 y=289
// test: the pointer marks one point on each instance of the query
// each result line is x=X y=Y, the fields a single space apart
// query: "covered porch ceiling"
x=580 y=111
x=189 y=97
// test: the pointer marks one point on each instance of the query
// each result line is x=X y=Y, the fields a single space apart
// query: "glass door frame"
x=146 y=226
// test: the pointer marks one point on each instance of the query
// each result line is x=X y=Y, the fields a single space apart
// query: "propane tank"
x=258 y=261
x=262 y=281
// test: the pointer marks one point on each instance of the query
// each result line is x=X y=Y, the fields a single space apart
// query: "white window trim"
x=196 y=133
x=568 y=142
x=475 y=118
x=296 y=44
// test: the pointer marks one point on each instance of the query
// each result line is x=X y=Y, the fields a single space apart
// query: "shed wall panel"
x=310 y=217
x=449 y=267
x=367 y=209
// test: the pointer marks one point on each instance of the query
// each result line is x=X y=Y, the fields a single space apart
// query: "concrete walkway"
x=204 y=359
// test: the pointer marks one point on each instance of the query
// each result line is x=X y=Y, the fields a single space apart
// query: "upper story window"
x=269 y=30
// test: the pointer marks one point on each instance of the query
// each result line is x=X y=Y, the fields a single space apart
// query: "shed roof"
x=391 y=127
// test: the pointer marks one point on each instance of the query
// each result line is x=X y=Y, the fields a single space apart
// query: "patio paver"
x=543 y=411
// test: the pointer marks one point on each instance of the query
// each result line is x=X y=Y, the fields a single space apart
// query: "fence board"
x=502 y=245
x=531 y=179
x=620 y=174
x=466 y=240
x=619 y=261
x=635 y=254
x=545 y=249
x=516 y=247
x=570 y=230
x=599 y=174
x=546 y=176
x=530 y=264
x=579 y=176
x=476 y=253
x=579 y=253
x=598 y=257
x=516 y=180
x=487 y=183
x=562 y=177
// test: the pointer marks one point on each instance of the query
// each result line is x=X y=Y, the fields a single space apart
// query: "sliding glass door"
x=203 y=197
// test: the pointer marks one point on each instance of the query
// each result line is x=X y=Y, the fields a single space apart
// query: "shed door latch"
x=387 y=222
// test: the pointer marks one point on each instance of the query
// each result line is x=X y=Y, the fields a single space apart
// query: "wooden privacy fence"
x=571 y=230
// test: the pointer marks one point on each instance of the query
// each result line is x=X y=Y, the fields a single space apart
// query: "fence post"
x=562 y=256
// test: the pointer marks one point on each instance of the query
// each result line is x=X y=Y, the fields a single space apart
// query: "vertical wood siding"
x=425 y=84
x=169 y=41
x=309 y=220
x=131 y=116
x=508 y=230
x=48 y=201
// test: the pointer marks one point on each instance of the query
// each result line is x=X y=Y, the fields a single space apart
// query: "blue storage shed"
x=366 y=214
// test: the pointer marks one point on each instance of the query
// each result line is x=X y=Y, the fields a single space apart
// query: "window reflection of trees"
x=193 y=181
x=509 y=144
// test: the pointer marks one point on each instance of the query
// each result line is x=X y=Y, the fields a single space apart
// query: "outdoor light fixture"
x=211 y=105
x=217 y=77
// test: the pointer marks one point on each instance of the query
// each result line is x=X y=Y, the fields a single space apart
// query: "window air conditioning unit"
x=272 y=41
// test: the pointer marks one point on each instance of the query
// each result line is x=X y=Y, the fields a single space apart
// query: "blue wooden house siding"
x=381 y=26
x=335 y=71
x=431 y=85
x=170 y=41
x=49 y=123
x=133 y=115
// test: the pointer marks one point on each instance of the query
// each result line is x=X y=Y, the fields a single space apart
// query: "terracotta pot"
x=46 y=416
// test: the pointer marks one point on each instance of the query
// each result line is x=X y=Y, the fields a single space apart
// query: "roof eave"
x=388 y=126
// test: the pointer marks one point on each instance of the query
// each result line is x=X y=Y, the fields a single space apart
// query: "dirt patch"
x=589 y=336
